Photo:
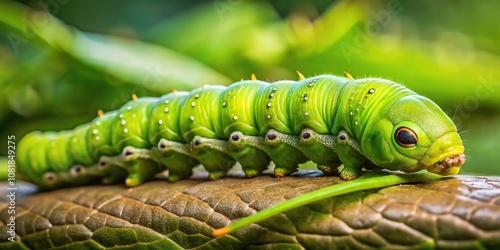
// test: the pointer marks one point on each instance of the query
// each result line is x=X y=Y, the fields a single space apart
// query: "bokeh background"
x=62 y=60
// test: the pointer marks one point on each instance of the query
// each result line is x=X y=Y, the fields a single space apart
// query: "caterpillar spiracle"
x=330 y=120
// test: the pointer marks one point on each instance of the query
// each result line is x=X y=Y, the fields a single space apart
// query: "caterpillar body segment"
x=330 y=120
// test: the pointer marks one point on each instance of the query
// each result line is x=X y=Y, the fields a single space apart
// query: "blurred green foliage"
x=57 y=70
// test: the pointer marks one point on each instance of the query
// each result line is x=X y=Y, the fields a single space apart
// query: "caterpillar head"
x=417 y=135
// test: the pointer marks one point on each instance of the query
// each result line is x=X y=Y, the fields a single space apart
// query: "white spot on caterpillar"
x=271 y=95
x=166 y=110
x=191 y=118
x=235 y=117
x=193 y=104
x=268 y=104
x=350 y=113
x=125 y=130
x=124 y=122
x=129 y=107
x=306 y=113
x=357 y=110
x=268 y=117
x=371 y=91
x=97 y=123
x=364 y=106
x=196 y=96
x=224 y=104
x=95 y=131
x=160 y=122
x=167 y=101
x=274 y=89
x=355 y=123
x=305 y=98
x=311 y=84
x=97 y=138
x=120 y=115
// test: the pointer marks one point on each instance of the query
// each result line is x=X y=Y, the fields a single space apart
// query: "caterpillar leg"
x=349 y=153
x=319 y=148
x=284 y=153
x=213 y=154
x=111 y=169
x=176 y=157
x=252 y=159
x=80 y=175
x=139 y=165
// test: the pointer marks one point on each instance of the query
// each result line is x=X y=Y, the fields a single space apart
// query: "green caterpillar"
x=371 y=123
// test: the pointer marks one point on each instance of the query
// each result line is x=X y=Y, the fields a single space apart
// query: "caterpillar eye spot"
x=235 y=137
x=197 y=142
x=271 y=136
x=306 y=135
x=342 y=137
x=127 y=153
x=405 y=137
x=50 y=178
x=77 y=170
x=102 y=163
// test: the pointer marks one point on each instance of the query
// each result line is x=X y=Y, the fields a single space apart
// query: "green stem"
x=327 y=192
